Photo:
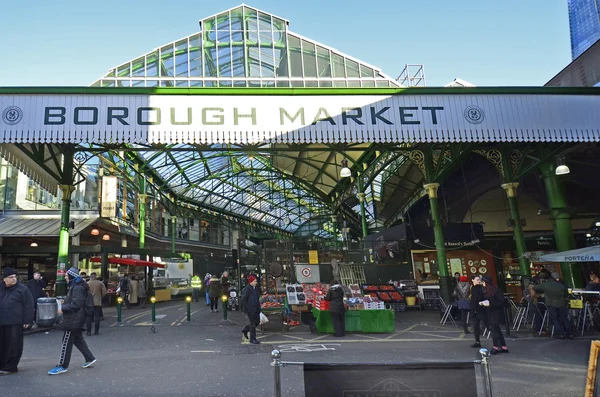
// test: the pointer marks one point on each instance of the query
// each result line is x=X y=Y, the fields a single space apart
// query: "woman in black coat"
x=495 y=303
x=335 y=295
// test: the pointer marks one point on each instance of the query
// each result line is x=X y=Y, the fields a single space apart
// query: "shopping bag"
x=263 y=319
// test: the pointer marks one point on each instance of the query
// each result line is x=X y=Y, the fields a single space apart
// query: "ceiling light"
x=34 y=244
x=597 y=224
x=561 y=168
x=345 y=172
x=106 y=237
x=588 y=235
x=95 y=232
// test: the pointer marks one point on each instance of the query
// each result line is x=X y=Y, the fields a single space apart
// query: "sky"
x=488 y=43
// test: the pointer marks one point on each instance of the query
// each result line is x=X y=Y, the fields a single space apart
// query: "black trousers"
x=214 y=303
x=71 y=338
x=464 y=313
x=195 y=294
x=478 y=319
x=95 y=318
x=560 y=321
x=339 y=323
x=11 y=347
x=253 y=321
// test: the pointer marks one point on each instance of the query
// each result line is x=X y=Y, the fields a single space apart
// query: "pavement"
x=209 y=357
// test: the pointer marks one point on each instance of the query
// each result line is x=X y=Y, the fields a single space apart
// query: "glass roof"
x=245 y=47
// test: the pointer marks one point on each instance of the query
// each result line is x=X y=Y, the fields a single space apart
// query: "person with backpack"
x=123 y=290
x=74 y=308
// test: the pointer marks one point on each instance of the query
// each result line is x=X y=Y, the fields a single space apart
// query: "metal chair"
x=447 y=309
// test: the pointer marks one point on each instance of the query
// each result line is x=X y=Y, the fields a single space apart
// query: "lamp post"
x=224 y=299
x=153 y=302
x=188 y=299
x=119 y=306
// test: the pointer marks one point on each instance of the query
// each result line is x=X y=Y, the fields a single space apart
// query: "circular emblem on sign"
x=12 y=115
x=305 y=272
x=474 y=114
x=181 y=266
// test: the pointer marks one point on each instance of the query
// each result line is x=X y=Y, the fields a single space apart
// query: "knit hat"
x=251 y=279
x=73 y=272
x=464 y=279
x=8 y=271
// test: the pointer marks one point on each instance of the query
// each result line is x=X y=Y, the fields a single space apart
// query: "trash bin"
x=46 y=312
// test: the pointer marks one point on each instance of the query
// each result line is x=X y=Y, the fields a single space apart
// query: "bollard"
x=487 y=372
x=224 y=299
x=119 y=306
x=153 y=301
x=188 y=299
x=276 y=364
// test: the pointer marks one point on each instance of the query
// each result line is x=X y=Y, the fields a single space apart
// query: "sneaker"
x=59 y=369
x=255 y=342
x=89 y=363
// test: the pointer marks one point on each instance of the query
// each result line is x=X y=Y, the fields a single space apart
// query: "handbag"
x=263 y=319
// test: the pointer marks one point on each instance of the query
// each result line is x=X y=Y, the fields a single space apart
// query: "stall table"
x=367 y=321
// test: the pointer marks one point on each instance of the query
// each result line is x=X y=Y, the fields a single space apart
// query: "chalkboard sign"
x=456 y=379
x=592 y=388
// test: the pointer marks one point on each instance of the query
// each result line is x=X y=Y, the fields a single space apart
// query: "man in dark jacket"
x=335 y=295
x=251 y=306
x=73 y=311
x=16 y=314
x=36 y=285
x=478 y=313
x=556 y=301
x=494 y=304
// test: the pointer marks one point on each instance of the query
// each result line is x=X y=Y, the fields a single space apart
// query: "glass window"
x=368 y=83
x=138 y=83
x=223 y=36
x=339 y=83
x=138 y=67
x=111 y=73
x=323 y=62
x=224 y=62
x=237 y=19
x=181 y=64
x=124 y=70
x=283 y=83
x=152 y=83
x=267 y=67
x=239 y=66
x=281 y=63
x=353 y=83
x=168 y=65
x=266 y=38
x=223 y=21
x=264 y=22
x=166 y=83
x=309 y=59
x=352 y=68
x=237 y=37
x=123 y=83
x=196 y=83
x=209 y=24
x=295 y=56
x=152 y=64
x=325 y=83
x=382 y=83
x=239 y=83
x=366 y=71
x=108 y=83
x=338 y=65
x=297 y=83
x=279 y=24
x=312 y=83
x=182 y=83
x=195 y=56
x=251 y=19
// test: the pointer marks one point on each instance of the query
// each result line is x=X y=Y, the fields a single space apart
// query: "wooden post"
x=592 y=368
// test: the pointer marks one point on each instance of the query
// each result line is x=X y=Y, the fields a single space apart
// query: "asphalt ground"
x=209 y=357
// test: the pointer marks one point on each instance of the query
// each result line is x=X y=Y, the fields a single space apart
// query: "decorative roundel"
x=470 y=263
x=12 y=115
x=305 y=272
x=482 y=270
x=474 y=114
x=483 y=262
x=474 y=270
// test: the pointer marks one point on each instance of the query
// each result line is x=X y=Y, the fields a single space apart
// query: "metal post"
x=224 y=299
x=440 y=247
x=60 y=287
x=188 y=300
x=119 y=307
x=153 y=301
x=276 y=364
x=487 y=372
x=519 y=236
x=361 y=199
x=561 y=220
x=173 y=231
x=142 y=220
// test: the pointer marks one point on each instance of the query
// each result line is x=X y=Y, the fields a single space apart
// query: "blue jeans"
x=207 y=299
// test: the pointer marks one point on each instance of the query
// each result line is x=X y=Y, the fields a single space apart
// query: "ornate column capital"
x=431 y=189
x=361 y=197
x=66 y=190
x=510 y=188
x=142 y=197
x=173 y=218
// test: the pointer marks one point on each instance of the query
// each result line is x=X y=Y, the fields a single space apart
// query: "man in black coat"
x=73 y=311
x=478 y=312
x=36 y=285
x=16 y=314
x=335 y=295
x=251 y=306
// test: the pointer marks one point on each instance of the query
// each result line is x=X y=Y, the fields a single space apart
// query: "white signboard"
x=109 y=196
x=307 y=273
x=200 y=119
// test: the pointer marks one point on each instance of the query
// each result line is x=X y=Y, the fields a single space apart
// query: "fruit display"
x=270 y=301
x=384 y=292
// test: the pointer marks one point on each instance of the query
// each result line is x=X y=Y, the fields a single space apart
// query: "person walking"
x=556 y=301
x=73 y=312
x=142 y=294
x=335 y=295
x=478 y=312
x=196 y=286
x=36 y=286
x=251 y=306
x=206 y=288
x=494 y=303
x=123 y=290
x=214 y=291
x=98 y=291
x=16 y=314
x=462 y=292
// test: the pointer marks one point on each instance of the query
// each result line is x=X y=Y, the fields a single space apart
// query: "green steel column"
x=561 y=220
x=335 y=231
x=142 y=220
x=438 y=231
x=173 y=231
x=361 y=199
x=60 y=287
x=519 y=236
